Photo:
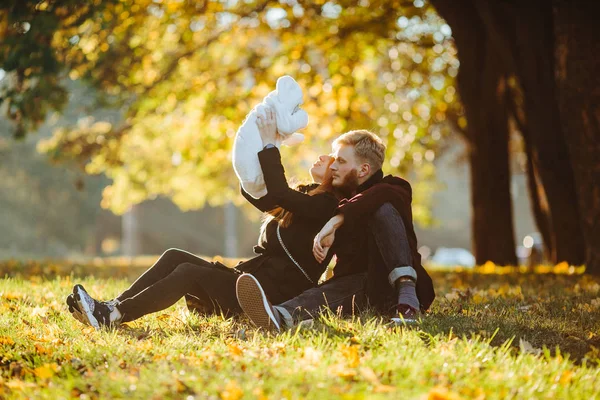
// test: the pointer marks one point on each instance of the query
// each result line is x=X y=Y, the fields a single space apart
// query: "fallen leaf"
x=232 y=391
x=342 y=371
x=6 y=340
x=234 y=349
x=45 y=371
x=566 y=377
x=351 y=355
x=441 y=393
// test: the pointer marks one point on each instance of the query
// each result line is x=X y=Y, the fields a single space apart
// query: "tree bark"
x=578 y=83
x=482 y=87
x=537 y=195
x=539 y=203
x=522 y=33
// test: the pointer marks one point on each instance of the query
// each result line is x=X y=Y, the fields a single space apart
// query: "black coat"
x=372 y=195
x=278 y=275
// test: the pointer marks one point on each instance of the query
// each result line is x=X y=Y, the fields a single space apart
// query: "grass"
x=492 y=333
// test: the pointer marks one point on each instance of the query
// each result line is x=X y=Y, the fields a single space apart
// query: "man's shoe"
x=255 y=304
x=407 y=315
x=96 y=312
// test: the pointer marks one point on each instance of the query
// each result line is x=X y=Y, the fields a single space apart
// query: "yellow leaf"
x=342 y=371
x=234 y=349
x=12 y=296
x=478 y=299
x=351 y=355
x=566 y=377
x=41 y=349
x=232 y=391
x=384 y=389
x=45 y=371
x=441 y=393
x=6 y=340
x=181 y=387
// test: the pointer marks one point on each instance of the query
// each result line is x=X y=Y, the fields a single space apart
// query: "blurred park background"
x=118 y=117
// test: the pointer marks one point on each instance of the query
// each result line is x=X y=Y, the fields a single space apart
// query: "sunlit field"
x=492 y=332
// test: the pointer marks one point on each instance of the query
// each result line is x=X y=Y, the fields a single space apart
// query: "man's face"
x=346 y=168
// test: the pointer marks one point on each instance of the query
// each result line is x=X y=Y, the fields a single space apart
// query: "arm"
x=369 y=201
x=325 y=238
x=264 y=204
x=318 y=207
x=361 y=205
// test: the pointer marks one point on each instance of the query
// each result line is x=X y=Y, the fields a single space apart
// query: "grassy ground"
x=492 y=333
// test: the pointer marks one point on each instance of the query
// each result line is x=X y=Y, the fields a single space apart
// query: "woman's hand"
x=325 y=238
x=267 y=126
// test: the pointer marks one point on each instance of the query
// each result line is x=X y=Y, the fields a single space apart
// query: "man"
x=373 y=238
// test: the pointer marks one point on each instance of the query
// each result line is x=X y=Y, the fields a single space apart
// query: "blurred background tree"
x=186 y=73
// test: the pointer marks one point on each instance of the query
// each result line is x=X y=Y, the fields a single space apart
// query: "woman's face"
x=319 y=168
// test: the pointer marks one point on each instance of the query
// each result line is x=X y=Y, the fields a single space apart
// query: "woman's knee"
x=177 y=256
x=188 y=269
x=171 y=253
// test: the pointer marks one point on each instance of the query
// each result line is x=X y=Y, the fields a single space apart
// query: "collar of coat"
x=376 y=178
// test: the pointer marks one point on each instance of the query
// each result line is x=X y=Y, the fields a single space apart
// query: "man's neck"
x=369 y=181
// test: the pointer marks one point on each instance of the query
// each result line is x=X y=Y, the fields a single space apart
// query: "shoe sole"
x=80 y=294
x=254 y=302
x=76 y=313
x=405 y=321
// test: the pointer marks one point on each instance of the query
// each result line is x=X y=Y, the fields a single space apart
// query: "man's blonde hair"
x=368 y=147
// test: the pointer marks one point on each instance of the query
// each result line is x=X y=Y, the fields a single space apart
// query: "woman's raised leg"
x=212 y=286
x=165 y=265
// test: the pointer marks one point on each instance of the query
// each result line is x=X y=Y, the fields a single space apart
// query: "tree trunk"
x=577 y=65
x=539 y=203
x=522 y=33
x=537 y=195
x=482 y=87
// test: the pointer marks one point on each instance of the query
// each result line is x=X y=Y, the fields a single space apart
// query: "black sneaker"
x=75 y=310
x=255 y=304
x=97 y=313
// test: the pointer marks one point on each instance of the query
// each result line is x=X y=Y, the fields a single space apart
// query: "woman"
x=285 y=266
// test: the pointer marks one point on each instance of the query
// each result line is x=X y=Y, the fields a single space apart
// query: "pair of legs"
x=390 y=261
x=208 y=287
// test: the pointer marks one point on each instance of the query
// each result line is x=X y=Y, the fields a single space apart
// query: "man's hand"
x=267 y=126
x=325 y=238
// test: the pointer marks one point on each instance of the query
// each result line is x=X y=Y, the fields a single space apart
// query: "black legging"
x=177 y=273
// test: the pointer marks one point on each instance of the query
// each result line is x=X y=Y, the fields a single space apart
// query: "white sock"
x=115 y=315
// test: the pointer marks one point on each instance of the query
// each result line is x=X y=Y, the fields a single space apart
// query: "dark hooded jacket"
x=353 y=255
x=276 y=272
